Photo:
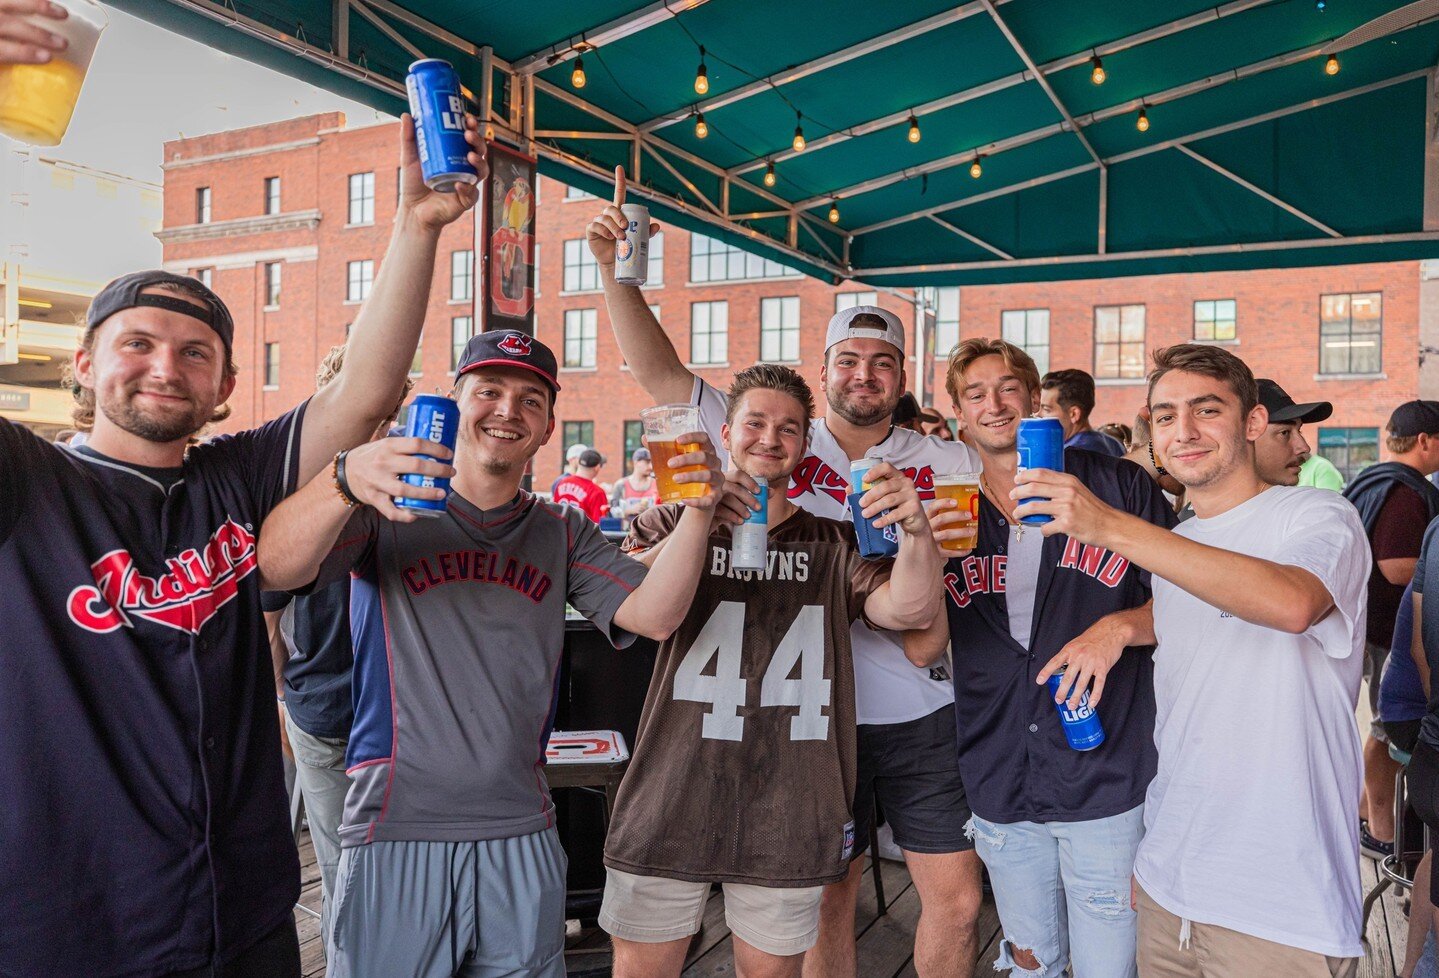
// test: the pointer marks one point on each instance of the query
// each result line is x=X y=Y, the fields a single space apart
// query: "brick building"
x=289 y=223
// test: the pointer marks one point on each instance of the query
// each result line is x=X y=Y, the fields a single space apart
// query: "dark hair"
x=1076 y=389
x=774 y=377
x=1208 y=361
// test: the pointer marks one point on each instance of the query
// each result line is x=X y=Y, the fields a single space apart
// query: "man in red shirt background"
x=582 y=489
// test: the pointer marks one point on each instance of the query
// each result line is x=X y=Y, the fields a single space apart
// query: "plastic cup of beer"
x=963 y=488
x=663 y=427
x=37 y=101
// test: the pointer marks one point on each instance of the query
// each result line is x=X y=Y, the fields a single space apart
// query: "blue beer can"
x=438 y=109
x=1041 y=446
x=874 y=544
x=435 y=419
x=1081 y=725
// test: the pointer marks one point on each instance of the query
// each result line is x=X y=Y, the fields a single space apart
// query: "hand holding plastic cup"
x=37 y=100
x=665 y=425
x=963 y=488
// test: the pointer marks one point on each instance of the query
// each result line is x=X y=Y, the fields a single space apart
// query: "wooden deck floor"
x=885 y=943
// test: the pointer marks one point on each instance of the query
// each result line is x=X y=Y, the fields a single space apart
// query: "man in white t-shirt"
x=1250 y=859
x=906 y=743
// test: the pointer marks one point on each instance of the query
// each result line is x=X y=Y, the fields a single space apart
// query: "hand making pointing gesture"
x=609 y=225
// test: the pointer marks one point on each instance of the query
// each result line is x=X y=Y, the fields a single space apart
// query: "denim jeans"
x=1062 y=891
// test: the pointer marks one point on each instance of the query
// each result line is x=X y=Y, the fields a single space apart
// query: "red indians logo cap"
x=510 y=348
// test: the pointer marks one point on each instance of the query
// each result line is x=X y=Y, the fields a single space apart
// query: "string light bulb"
x=769 y=176
x=701 y=129
x=1142 y=121
x=798 y=143
x=913 y=128
x=577 y=77
x=834 y=212
x=1097 y=73
x=975 y=170
x=702 y=75
x=1331 y=65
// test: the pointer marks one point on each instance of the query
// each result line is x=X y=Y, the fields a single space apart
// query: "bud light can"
x=632 y=255
x=1041 y=446
x=1081 y=725
x=874 y=544
x=435 y=419
x=438 y=109
x=748 y=545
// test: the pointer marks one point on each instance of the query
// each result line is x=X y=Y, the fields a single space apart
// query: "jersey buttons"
x=1034 y=728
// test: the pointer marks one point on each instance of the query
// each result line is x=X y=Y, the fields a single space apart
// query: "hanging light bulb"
x=702 y=75
x=577 y=77
x=913 y=128
x=1142 y=123
x=834 y=212
x=1331 y=66
x=1097 y=73
x=769 y=177
x=798 y=133
x=701 y=129
x=975 y=170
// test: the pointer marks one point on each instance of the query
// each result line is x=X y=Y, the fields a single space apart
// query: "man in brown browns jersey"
x=744 y=769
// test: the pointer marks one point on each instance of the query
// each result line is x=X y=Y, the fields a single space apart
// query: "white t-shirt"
x=888 y=689
x=1250 y=822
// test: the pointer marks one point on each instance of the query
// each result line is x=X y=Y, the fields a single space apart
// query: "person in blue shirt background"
x=1068 y=395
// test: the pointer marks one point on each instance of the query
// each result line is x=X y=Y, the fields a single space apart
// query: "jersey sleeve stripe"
x=597 y=570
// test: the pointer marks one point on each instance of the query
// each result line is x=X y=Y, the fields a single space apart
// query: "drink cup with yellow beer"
x=963 y=488
x=663 y=427
x=37 y=100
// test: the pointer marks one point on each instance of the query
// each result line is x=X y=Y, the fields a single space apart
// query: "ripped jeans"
x=1062 y=891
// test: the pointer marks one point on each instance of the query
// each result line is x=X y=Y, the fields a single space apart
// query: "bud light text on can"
x=438 y=109
x=1041 y=446
x=1082 y=728
x=874 y=544
x=435 y=419
x=749 y=543
x=632 y=255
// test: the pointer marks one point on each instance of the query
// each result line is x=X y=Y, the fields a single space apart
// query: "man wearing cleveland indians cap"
x=450 y=862
x=906 y=734
x=145 y=825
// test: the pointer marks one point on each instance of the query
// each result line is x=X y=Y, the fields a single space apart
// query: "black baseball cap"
x=1415 y=418
x=127 y=292
x=591 y=459
x=509 y=348
x=1282 y=407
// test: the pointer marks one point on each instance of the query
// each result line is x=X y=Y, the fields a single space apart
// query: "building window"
x=202 y=205
x=1350 y=449
x=634 y=441
x=272 y=366
x=462 y=275
x=1350 y=334
x=362 y=198
x=461 y=329
x=359 y=276
x=946 y=321
x=205 y=276
x=1028 y=329
x=272 y=195
x=272 y=284
x=575 y=193
x=655 y=275
x=580 y=334
x=1119 y=342
x=848 y=300
x=712 y=260
x=416 y=365
x=582 y=272
x=709 y=332
x=1214 y=319
x=779 y=329
x=575 y=433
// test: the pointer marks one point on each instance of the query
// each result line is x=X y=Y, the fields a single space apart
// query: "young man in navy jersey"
x=145 y=826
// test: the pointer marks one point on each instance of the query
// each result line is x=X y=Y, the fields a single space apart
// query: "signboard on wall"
x=508 y=242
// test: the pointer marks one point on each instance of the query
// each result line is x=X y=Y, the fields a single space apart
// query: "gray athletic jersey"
x=458 y=624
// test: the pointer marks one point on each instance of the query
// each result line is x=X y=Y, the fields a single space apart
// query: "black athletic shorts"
x=1422 y=778
x=913 y=770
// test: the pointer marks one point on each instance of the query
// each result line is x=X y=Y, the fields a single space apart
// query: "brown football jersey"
x=744 y=767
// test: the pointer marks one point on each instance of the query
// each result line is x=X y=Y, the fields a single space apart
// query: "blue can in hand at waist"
x=1082 y=728
x=435 y=419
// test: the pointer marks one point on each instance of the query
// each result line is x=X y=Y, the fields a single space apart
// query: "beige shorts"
x=654 y=909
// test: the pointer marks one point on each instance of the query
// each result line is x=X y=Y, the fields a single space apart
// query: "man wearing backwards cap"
x=450 y=862
x=1281 y=451
x=906 y=735
x=145 y=825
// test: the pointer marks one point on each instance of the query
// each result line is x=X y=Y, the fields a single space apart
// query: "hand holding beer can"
x=874 y=543
x=1041 y=446
x=749 y=541
x=963 y=488
x=1082 y=729
x=434 y=419
x=438 y=108
x=632 y=252
x=664 y=426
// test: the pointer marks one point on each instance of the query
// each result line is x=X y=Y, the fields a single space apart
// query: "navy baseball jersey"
x=1013 y=756
x=144 y=828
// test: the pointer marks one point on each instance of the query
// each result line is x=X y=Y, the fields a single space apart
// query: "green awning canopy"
x=1255 y=155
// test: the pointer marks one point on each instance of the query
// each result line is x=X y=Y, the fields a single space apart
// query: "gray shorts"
x=492 y=909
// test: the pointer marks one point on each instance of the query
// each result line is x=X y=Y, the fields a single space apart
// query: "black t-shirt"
x=144 y=828
x=321 y=659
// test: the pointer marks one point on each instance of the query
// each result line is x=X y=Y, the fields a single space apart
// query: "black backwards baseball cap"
x=1414 y=418
x=127 y=292
x=1282 y=407
x=509 y=348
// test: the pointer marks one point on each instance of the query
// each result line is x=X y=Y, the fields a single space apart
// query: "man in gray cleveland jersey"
x=451 y=865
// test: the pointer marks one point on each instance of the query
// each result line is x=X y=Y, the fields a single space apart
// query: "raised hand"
x=22 y=42
x=712 y=476
x=608 y=226
x=431 y=208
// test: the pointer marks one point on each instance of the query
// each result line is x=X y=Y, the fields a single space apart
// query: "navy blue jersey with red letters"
x=144 y=828
x=1013 y=757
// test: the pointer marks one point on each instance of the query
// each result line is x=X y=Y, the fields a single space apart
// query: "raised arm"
x=382 y=343
x=912 y=597
x=643 y=343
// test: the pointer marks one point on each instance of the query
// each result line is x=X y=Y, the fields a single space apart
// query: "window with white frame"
x=946 y=320
x=1351 y=333
x=575 y=193
x=272 y=283
x=202 y=205
x=582 y=272
x=848 y=300
x=1214 y=319
x=272 y=195
x=656 y=273
x=462 y=275
x=461 y=329
x=580 y=333
x=1028 y=329
x=711 y=260
x=709 y=332
x=779 y=329
x=362 y=198
x=272 y=366
x=359 y=276
x=1119 y=342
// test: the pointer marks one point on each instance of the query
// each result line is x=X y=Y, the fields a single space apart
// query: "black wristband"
x=343 y=483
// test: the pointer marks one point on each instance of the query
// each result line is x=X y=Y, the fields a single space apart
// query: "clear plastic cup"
x=963 y=488
x=664 y=425
x=37 y=101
